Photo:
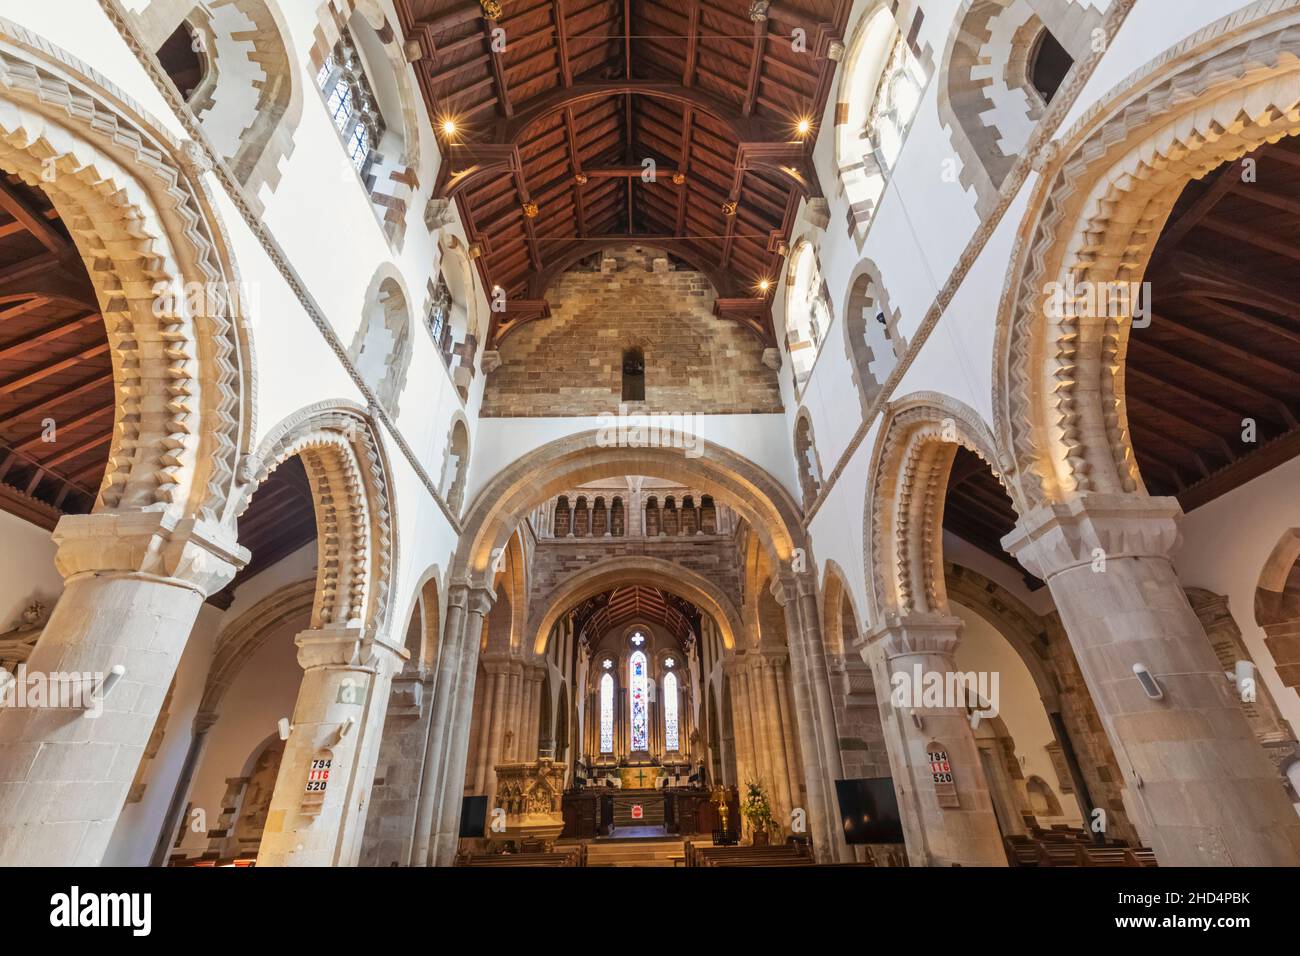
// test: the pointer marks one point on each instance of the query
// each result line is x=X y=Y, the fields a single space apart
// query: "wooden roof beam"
x=32 y=220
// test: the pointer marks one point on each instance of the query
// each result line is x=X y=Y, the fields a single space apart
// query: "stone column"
x=134 y=584
x=739 y=721
x=489 y=718
x=780 y=783
x=1198 y=786
x=445 y=690
x=447 y=837
x=810 y=684
x=338 y=718
x=789 y=731
x=947 y=823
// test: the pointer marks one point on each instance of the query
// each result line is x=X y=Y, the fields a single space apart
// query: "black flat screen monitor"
x=869 y=810
x=473 y=816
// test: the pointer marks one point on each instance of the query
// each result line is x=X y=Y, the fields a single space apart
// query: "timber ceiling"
x=604 y=612
x=586 y=91
x=56 y=374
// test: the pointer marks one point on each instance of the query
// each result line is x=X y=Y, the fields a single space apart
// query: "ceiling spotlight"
x=764 y=285
x=449 y=127
x=803 y=127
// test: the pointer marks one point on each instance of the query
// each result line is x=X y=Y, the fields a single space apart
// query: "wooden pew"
x=575 y=856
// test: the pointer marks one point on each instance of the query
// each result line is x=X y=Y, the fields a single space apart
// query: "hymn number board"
x=318 y=777
x=945 y=786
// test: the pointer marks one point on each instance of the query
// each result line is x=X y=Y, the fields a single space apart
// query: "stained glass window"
x=607 y=714
x=638 y=695
x=670 y=711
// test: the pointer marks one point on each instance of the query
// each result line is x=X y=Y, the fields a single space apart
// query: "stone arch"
x=807 y=461
x=394 y=178
x=240 y=640
x=903 y=534
x=652 y=571
x=869 y=57
x=356 y=534
x=872 y=337
x=145 y=225
x=1093 y=221
x=1277 y=606
x=381 y=348
x=455 y=464
x=426 y=610
x=587 y=456
x=988 y=111
x=837 y=602
x=250 y=103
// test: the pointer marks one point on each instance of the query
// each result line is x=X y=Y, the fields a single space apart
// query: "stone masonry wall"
x=556 y=561
x=572 y=363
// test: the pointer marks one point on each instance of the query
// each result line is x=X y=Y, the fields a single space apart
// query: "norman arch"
x=391 y=177
x=348 y=471
x=903 y=531
x=382 y=348
x=1059 y=400
x=125 y=186
x=577 y=459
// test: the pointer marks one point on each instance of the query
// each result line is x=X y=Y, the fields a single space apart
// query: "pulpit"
x=530 y=793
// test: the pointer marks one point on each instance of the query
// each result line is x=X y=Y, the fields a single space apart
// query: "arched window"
x=879 y=96
x=350 y=101
x=181 y=60
x=671 y=738
x=439 y=318
x=633 y=375
x=1048 y=65
x=807 y=311
x=607 y=714
x=638 y=695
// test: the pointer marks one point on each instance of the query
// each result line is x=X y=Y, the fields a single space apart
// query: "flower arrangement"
x=757 y=811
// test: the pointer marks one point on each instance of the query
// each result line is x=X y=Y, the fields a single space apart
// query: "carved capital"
x=490 y=362
x=341 y=645
x=913 y=635
x=189 y=552
x=1057 y=537
x=772 y=359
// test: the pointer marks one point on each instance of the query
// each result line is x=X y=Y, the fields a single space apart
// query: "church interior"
x=649 y=433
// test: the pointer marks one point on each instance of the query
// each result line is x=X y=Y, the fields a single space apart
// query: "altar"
x=638 y=778
x=639 y=809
